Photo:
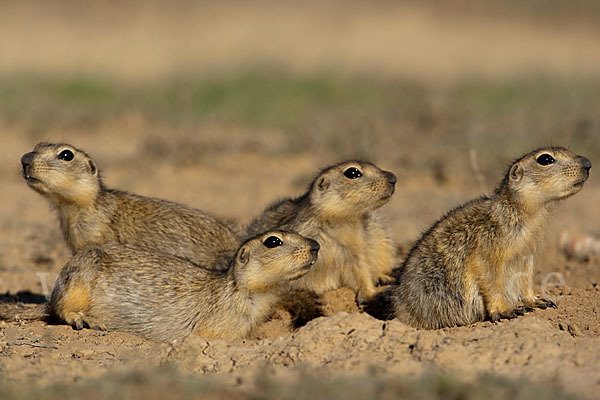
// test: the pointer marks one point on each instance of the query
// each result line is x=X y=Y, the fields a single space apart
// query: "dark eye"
x=352 y=173
x=66 y=155
x=272 y=241
x=545 y=159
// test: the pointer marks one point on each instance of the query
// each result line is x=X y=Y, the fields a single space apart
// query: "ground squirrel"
x=472 y=263
x=91 y=214
x=163 y=297
x=339 y=210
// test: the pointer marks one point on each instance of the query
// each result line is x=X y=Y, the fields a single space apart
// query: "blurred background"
x=230 y=105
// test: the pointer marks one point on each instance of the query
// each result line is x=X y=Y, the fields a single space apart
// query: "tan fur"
x=476 y=261
x=162 y=297
x=77 y=299
x=342 y=215
x=92 y=215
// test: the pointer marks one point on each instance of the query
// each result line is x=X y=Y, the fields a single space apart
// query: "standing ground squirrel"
x=162 y=297
x=472 y=263
x=91 y=214
x=339 y=210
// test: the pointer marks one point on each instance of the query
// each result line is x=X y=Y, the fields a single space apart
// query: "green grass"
x=261 y=99
x=257 y=99
x=277 y=99
x=535 y=92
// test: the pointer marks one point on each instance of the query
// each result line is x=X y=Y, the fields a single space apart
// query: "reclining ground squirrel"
x=472 y=263
x=90 y=214
x=340 y=211
x=162 y=297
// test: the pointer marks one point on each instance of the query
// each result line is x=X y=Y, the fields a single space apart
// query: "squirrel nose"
x=391 y=177
x=585 y=163
x=27 y=159
x=314 y=247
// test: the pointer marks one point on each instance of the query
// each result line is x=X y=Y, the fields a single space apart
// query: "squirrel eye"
x=272 y=241
x=545 y=159
x=66 y=155
x=352 y=173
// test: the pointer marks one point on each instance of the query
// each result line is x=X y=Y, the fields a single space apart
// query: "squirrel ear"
x=93 y=168
x=516 y=172
x=243 y=256
x=322 y=184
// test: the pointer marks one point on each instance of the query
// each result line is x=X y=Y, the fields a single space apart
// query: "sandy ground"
x=561 y=345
